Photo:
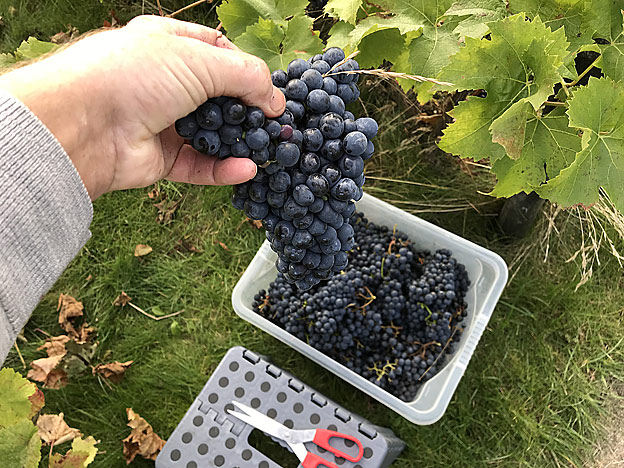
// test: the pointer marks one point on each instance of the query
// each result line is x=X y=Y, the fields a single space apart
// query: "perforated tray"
x=209 y=437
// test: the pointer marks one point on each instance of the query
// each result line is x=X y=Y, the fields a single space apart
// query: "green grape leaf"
x=519 y=63
x=477 y=14
x=382 y=45
x=557 y=13
x=238 y=15
x=612 y=61
x=20 y=446
x=81 y=454
x=17 y=392
x=345 y=10
x=603 y=19
x=28 y=49
x=597 y=109
x=278 y=44
x=549 y=146
x=339 y=36
x=373 y=24
x=468 y=136
x=508 y=129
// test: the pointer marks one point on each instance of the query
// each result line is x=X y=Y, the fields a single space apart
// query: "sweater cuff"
x=45 y=213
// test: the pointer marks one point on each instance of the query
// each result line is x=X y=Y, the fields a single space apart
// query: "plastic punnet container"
x=488 y=275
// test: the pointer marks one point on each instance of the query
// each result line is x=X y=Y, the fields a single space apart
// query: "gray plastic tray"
x=209 y=437
x=488 y=276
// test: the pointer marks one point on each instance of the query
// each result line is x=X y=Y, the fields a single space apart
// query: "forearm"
x=45 y=212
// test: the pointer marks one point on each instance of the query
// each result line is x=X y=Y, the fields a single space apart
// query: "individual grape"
x=303 y=195
x=312 y=78
x=207 y=141
x=280 y=181
x=333 y=55
x=345 y=93
x=187 y=126
x=351 y=166
x=318 y=101
x=309 y=163
x=336 y=105
x=331 y=173
x=225 y=151
x=331 y=125
x=294 y=253
x=296 y=138
x=255 y=210
x=355 y=143
x=234 y=112
x=255 y=117
x=302 y=240
x=257 y=139
x=296 y=89
x=240 y=149
x=321 y=66
x=286 y=132
x=329 y=85
x=297 y=177
x=273 y=128
x=311 y=260
x=209 y=116
x=332 y=150
x=318 y=185
x=349 y=126
x=230 y=134
x=367 y=126
x=313 y=120
x=284 y=231
x=312 y=139
x=317 y=206
x=276 y=199
x=344 y=190
x=293 y=209
x=297 y=109
x=279 y=78
x=287 y=154
x=260 y=157
x=370 y=149
x=304 y=222
x=296 y=68
x=286 y=118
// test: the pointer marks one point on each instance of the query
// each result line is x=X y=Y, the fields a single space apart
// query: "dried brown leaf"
x=55 y=346
x=68 y=308
x=254 y=223
x=113 y=371
x=122 y=300
x=82 y=335
x=142 y=249
x=53 y=430
x=142 y=439
x=37 y=401
x=65 y=36
x=223 y=246
x=44 y=370
x=166 y=210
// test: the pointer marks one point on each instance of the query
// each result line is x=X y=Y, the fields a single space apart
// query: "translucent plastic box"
x=488 y=275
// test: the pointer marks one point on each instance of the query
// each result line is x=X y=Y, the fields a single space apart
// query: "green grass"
x=531 y=396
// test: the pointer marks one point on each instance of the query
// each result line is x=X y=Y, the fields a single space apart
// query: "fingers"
x=179 y=28
x=196 y=168
x=228 y=72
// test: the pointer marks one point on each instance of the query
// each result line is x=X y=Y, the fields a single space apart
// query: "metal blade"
x=261 y=421
x=299 y=450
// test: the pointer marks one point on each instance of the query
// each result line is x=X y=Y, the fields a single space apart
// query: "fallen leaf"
x=154 y=193
x=166 y=210
x=65 y=36
x=122 y=300
x=142 y=439
x=68 y=308
x=141 y=250
x=82 y=335
x=81 y=454
x=113 y=371
x=254 y=223
x=223 y=246
x=185 y=245
x=53 y=429
x=44 y=370
x=55 y=346
x=37 y=401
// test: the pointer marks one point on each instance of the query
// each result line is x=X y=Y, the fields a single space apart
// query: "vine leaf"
x=20 y=398
x=549 y=146
x=53 y=430
x=597 y=109
x=81 y=454
x=476 y=13
x=345 y=10
x=605 y=20
x=45 y=370
x=142 y=439
x=68 y=308
x=237 y=15
x=518 y=65
x=28 y=49
x=20 y=446
x=278 y=44
x=113 y=371
x=339 y=36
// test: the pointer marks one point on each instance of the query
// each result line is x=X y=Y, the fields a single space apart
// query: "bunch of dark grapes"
x=315 y=8
x=310 y=162
x=392 y=315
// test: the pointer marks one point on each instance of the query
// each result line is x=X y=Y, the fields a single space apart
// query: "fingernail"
x=277 y=101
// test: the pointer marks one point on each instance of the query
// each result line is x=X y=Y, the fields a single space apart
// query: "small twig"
x=160 y=10
x=188 y=7
x=585 y=72
x=219 y=26
x=555 y=103
x=153 y=317
x=19 y=353
x=391 y=75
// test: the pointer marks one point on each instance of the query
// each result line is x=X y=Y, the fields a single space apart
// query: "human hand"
x=111 y=100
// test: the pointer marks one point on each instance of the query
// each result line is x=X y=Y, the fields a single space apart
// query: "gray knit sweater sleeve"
x=45 y=213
